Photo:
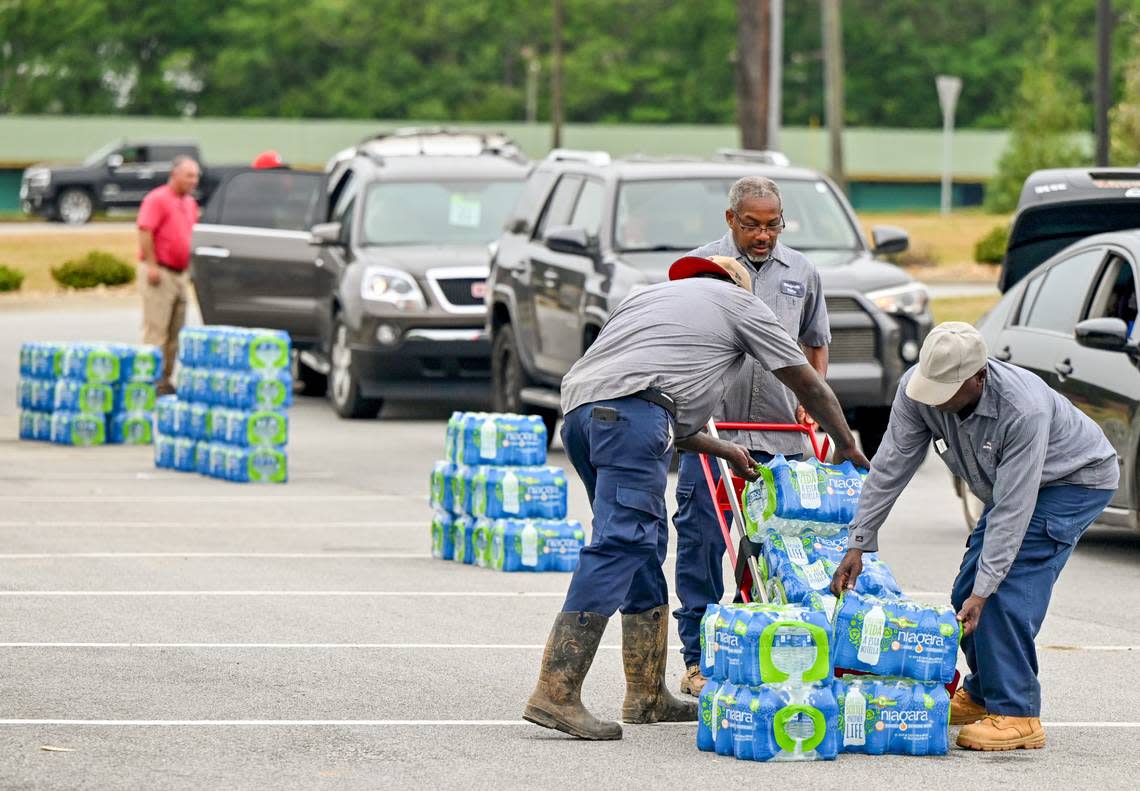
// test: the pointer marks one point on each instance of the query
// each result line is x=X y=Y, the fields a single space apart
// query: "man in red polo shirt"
x=166 y=221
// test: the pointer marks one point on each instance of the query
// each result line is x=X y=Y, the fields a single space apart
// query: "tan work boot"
x=964 y=709
x=999 y=732
x=693 y=681
x=644 y=646
x=557 y=699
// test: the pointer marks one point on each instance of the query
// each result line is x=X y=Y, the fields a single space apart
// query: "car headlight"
x=911 y=299
x=391 y=287
x=38 y=177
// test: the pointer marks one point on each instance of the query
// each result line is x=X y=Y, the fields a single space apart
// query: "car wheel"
x=344 y=387
x=972 y=507
x=508 y=378
x=872 y=427
x=75 y=206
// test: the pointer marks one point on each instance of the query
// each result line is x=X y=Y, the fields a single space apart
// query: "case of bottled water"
x=895 y=716
x=769 y=722
x=35 y=425
x=125 y=428
x=801 y=491
x=78 y=428
x=74 y=395
x=523 y=492
x=482 y=438
x=765 y=643
x=896 y=637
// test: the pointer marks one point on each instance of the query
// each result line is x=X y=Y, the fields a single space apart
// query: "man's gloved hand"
x=847 y=572
x=970 y=613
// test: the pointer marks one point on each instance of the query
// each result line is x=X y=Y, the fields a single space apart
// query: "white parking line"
x=218 y=498
x=421 y=646
x=272 y=593
x=395 y=723
x=278 y=525
x=215 y=555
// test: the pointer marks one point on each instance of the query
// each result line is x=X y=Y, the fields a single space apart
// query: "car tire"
x=313 y=382
x=74 y=206
x=343 y=383
x=872 y=427
x=508 y=378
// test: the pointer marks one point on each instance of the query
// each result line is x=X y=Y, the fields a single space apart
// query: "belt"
x=655 y=396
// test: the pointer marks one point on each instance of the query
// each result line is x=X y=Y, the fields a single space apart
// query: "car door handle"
x=1004 y=355
x=212 y=252
x=1065 y=367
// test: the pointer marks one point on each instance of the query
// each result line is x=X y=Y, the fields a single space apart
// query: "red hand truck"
x=743 y=551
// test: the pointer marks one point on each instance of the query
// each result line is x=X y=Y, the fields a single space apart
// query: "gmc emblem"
x=479 y=289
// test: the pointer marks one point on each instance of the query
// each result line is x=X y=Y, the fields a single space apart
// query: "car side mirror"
x=325 y=234
x=888 y=239
x=1108 y=335
x=115 y=161
x=567 y=239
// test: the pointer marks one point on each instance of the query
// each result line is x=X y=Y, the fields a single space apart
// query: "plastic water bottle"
x=442 y=495
x=202 y=457
x=722 y=725
x=79 y=429
x=256 y=465
x=786 y=643
x=871 y=636
x=707 y=724
x=442 y=543
x=130 y=428
x=133 y=397
x=481 y=541
x=450 y=438
x=516 y=545
x=73 y=395
x=185 y=454
x=742 y=723
x=164 y=452
x=708 y=639
x=853 y=716
x=463 y=537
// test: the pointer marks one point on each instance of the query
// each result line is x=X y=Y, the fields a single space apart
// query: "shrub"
x=990 y=249
x=97 y=268
x=10 y=279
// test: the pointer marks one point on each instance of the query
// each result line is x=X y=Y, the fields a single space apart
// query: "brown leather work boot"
x=999 y=732
x=557 y=699
x=964 y=709
x=693 y=681
x=644 y=645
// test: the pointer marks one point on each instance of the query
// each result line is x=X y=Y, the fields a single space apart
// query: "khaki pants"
x=164 y=313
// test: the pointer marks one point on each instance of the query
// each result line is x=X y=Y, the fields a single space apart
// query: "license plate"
x=479 y=289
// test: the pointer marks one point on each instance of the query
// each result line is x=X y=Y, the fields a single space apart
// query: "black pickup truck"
x=117 y=176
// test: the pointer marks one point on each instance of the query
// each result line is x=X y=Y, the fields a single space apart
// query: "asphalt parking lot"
x=171 y=631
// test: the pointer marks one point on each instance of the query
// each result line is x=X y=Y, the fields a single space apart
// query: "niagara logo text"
x=890 y=715
x=922 y=638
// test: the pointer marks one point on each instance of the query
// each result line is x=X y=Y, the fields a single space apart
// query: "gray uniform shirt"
x=1021 y=437
x=789 y=284
x=687 y=338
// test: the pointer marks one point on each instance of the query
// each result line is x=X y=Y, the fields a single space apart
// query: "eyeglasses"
x=750 y=228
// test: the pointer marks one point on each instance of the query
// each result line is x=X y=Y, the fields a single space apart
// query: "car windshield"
x=681 y=214
x=103 y=153
x=437 y=212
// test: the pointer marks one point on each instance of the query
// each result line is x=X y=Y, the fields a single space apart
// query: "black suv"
x=377 y=268
x=589 y=230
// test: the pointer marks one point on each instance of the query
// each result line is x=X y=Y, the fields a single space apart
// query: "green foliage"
x=1044 y=118
x=10 y=279
x=97 y=268
x=990 y=249
x=1124 y=118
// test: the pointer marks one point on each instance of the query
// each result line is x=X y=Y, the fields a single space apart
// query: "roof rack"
x=599 y=158
x=642 y=157
x=776 y=158
x=437 y=141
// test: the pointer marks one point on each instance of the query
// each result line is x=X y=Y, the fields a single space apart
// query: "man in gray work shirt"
x=788 y=283
x=657 y=371
x=1044 y=470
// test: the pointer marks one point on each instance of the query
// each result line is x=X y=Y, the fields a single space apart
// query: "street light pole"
x=775 y=72
x=948 y=90
x=1104 y=23
x=833 y=87
x=556 y=109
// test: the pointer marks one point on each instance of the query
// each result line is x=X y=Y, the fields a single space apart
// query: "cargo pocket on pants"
x=635 y=519
x=1063 y=531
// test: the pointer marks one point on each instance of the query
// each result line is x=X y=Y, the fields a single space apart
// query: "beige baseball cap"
x=952 y=353
x=691 y=266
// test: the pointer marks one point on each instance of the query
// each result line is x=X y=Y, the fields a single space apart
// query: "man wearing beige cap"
x=657 y=370
x=1044 y=471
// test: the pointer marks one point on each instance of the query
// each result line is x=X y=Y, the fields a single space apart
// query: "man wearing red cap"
x=658 y=369
x=268 y=160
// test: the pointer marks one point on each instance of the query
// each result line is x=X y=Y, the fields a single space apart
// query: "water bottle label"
x=807 y=481
x=854 y=718
x=795 y=548
x=530 y=546
x=816 y=574
x=511 y=493
x=870 y=645
x=488 y=439
x=710 y=641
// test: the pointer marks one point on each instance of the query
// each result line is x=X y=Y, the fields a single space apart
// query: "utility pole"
x=948 y=90
x=753 y=65
x=556 y=108
x=833 y=87
x=1104 y=25
x=533 y=68
x=776 y=73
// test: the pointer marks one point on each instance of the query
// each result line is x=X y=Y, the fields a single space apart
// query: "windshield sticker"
x=463 y=212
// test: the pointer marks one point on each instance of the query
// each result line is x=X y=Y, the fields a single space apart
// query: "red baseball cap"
x=719 y=265
x=268 y=159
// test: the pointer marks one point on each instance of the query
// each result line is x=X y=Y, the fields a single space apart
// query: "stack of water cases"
x=228 y=419
x=88 y=393
x=799 y=511
x=769 y=693
x=495 y=502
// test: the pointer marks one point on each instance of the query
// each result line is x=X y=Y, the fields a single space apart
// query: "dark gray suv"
x=589 y=230
x=377 y=268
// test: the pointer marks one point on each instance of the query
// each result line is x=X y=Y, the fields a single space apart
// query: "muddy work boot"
x=1000 y=732
x=964 y=709
x=644 y=643
x=557 y=699
x=693 y=681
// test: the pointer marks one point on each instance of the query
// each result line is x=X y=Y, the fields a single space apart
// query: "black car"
x=1069 y=310
x=117 y=176
x=590 y=230
x=376 y=268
